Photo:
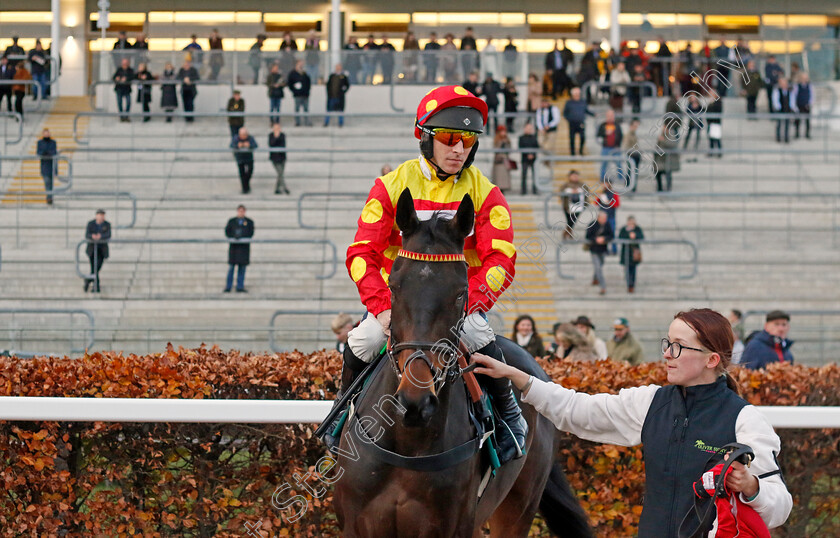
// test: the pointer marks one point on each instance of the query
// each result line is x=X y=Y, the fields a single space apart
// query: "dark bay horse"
x=409 y=464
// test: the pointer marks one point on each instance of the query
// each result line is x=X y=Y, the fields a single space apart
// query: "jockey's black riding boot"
x=351 y=369
x=511 y=438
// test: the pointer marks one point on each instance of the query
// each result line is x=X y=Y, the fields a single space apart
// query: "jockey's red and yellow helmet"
x=451 y=107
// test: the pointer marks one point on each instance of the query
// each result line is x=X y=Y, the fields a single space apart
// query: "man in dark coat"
x=98 y=229
x=528 y=141
x=7 y=72
x=122 y=50
x=769 y=345
x=14 y=49
x=598 y=237
x=236 y=121
x=243 y=145
x=188 y=75
x=122 y=86
x=300 y=84
x=47 y=150
x=430 y=57
x=337 y=86
x=557 y=62
x=490 y=90
x=239 y=255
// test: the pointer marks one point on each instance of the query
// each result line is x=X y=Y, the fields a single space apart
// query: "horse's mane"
x=436 y=232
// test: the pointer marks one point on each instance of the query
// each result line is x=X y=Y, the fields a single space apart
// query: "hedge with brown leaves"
x=124 y=479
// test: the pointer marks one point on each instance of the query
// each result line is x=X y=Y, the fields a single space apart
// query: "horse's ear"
x=464 y=219
x=406 y=217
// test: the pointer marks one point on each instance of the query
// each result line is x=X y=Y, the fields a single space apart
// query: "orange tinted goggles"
x=451 y=137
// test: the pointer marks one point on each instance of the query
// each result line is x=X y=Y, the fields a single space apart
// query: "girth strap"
x=429 y=463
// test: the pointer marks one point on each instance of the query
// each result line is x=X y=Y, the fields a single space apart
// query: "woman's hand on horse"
x=493 y=368
x=384 y=318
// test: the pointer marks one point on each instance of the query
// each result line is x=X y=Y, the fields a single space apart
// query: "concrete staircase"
x=754 y=253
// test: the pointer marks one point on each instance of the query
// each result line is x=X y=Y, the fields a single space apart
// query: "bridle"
x=443 y=348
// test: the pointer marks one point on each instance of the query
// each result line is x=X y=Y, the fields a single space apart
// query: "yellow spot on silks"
x=358 y=268
x=504 y=246
x=431 y=105
x=496 y=278
x=372 y=211
x=384 y=275
x=358 y=243
x=500 y=218
x=460 y=91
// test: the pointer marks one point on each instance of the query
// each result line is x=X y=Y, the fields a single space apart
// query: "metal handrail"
x=153 y=82
x=691 y=244
x=644 y=97
x=71 y=311
x=326 y=242
x=54 y=70
x=19 y=119
x=59 y=157
x=351 y=195
x=312 y=312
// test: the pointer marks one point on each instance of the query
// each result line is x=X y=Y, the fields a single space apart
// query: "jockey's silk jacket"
x=489 y=249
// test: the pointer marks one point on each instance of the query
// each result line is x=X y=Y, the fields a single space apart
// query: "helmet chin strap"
x=442 y=174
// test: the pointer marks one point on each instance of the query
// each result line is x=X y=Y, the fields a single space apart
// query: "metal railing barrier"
x=92 y=93
x=88 y=343
x=641 y=242
x=19 y=120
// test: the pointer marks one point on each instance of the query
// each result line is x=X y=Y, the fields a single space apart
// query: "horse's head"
x=428 y=285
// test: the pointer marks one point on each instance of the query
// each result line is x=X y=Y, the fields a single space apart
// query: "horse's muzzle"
x=418 y=412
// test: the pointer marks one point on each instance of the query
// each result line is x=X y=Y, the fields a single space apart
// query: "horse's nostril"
x=428 y=407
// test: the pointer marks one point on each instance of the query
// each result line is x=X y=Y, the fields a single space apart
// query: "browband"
x=417 y=256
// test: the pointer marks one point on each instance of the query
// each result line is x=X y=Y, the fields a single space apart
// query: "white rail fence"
x=25 y=408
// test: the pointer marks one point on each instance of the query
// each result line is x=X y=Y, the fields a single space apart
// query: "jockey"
x=448 y=121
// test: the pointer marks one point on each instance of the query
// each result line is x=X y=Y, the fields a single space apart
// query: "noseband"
x=445 y=348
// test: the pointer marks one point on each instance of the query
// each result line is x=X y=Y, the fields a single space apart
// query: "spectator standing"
x=784 y=102
x=341 y=326
x=236 y=106
x=619 y=78
x=623 y=346
x=217 y=57
x=472 y=84
x=275 y=83
x=556 y=63
x=752 y=88
x=589 y=69
x=122 y=50
x=696 y=123
x=548 y=118
x=608 y=201
x=243 y=145
x=122 y=86
x=587 y=329
x=7 y=72
x=449 y=59
x=144 y=91
x=804 y=98
x=735 y=318
x=239 y=254
x=98 y=232
x=574 y=112
x=769 y=345
x=629 y=148
x=188 y=75
x=47 y=150
x=469 y=51
x=38 y=61
x=300 y=84
x=534 y=93
x=277 y=140
x=715 y=112
x=772 y=73
x=21 y=74
x=599 y=236
x=662 y=67
x=312 y=55
x=353 y=59
x=667 y=162
x=491 y=90
x=631 y=253
x=337 y=86
x=195 y=51
x=369 y=60
x=525 y=334
x=411 y=51
x=386 y=59
x=430 y=57
x=511 y=103
x=14 y=49
x=509 y=56
x=168 y=93
x=141 y=50
x=288 y=47
x=528 y=140
x=488 y=57
x=639 y=77
x=501 y=160
x=574 y=201
x=255 y=56
x=609 y=134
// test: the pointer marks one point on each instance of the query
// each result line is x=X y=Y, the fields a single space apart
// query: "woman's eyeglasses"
x=676 y=348
x=451 y=137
